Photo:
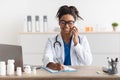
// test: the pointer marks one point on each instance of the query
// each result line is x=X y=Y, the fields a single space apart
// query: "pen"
x=116 y=59
x=108 y=59
x=112 y=60
x=57 y=60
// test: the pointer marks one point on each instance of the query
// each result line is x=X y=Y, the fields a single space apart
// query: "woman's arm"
x=83 y=51
x=48 y=58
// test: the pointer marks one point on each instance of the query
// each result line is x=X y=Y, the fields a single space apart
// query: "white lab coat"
x=80 y=54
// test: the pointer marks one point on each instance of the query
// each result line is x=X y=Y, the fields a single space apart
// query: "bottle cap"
x=29 y=18
x=11 y=61
x=2 y=62
x=44 y=18
x=37 y=18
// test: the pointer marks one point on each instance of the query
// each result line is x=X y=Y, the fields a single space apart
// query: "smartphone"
x=72 y=31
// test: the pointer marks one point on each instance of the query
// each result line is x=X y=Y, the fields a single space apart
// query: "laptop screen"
x=11 y=52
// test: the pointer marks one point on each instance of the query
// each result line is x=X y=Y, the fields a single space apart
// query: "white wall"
x=102 y=46
x=13 y=13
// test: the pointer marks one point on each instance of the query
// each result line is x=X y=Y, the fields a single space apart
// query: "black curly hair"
x=72 y=10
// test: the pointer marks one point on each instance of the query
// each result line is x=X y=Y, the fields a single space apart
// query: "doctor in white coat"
x=68 y=47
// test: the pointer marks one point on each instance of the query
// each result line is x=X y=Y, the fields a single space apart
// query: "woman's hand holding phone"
x=74 y=32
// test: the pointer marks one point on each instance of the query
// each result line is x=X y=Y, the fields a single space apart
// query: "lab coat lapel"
x=71 y=51
x=62 y=46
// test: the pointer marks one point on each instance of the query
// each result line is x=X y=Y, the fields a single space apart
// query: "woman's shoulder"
x=52 y=37
x=81 y=36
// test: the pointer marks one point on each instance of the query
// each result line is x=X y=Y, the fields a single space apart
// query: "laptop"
x=11 y=52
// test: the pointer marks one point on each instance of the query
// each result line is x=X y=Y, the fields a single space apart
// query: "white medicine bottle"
x=45 y=23
x=10 y=67
x=37 y=24
x=2 y=68
x=29 y=24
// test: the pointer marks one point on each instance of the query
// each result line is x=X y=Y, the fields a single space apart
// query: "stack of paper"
x=67 y=69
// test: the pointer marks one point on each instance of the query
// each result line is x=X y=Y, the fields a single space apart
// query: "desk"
x=83 y=73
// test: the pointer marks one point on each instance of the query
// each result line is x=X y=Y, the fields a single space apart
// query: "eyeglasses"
x=63 y=23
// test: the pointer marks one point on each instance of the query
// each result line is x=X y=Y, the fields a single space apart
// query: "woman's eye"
x=63 y=22
x=70 y=23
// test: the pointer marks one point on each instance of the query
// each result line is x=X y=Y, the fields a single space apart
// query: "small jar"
x=19 y=71
x=27 y=69
x=34 y=70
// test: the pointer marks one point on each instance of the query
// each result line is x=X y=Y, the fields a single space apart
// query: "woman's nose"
x=66 y=25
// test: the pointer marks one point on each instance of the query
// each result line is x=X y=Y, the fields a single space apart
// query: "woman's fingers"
x=55 y=66
x=75 y=31
x=59 y=66
x=52 y=65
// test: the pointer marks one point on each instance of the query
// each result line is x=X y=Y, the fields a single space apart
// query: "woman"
x=68 y=47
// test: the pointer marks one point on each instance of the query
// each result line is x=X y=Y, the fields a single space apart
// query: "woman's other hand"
x=55 y=66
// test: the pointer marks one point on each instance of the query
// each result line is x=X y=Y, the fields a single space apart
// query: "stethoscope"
x=58 y=42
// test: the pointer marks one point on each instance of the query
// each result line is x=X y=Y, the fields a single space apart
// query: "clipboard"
x=67 y=69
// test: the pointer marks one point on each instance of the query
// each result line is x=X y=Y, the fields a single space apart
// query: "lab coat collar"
x=61 y=40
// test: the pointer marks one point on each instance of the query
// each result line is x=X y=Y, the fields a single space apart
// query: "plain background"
x=96 y=13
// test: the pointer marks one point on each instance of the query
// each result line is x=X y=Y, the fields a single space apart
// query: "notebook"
x=11 y=52
x=67 y=69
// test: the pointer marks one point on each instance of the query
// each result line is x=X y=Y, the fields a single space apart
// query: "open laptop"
x=11 y=52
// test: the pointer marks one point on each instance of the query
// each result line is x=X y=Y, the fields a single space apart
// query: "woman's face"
x=66 y=23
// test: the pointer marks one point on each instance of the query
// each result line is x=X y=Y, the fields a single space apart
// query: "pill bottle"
x=10 y=67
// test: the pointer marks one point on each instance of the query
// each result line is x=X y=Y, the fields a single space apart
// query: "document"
x=67 y=69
